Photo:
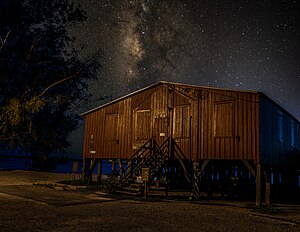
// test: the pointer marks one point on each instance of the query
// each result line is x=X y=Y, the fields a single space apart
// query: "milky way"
x=250 y=45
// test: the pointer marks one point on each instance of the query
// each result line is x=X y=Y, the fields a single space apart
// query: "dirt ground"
x=32 y=201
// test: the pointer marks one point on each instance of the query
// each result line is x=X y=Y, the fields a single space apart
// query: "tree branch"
x=65 y=79
x=33 y=45
x=58 y=82
x=4 y=41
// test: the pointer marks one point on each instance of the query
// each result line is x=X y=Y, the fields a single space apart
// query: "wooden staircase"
x=158 y=159
x=150 y=155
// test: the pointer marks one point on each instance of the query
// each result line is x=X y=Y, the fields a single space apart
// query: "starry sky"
x=237 y=44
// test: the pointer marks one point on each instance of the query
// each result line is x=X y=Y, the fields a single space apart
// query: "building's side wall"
x=229 y=126
x=277 y=147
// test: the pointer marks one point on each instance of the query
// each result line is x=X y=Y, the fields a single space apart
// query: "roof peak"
x=167 y=83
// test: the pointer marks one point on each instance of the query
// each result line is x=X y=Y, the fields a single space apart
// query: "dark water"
x=24 y=164
x=14 y=163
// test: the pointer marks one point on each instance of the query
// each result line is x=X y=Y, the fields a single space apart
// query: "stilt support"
x=113 y=166
x=121 y=167
x=129 y=170
x=267 y=189
x=99 y=171
x=84 y=166
x=197 y=178
x=258 y=185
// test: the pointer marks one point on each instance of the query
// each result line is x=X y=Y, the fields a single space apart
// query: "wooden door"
x=142 y=127
x=160 y=130
x=182 y=123
x=224 y=129
x=111 y=141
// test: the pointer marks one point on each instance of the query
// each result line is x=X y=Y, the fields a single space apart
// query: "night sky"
x=241 y=44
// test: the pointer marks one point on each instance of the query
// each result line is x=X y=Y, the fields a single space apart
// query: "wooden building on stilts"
x=209 y=139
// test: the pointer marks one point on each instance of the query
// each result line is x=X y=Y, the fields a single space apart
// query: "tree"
x=41 y=74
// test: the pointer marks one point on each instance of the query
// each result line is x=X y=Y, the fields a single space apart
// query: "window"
x=223 y=119
x=181 y=122
x=293 y=132
x=280 y=125
x=142 y=127
x=111 y=125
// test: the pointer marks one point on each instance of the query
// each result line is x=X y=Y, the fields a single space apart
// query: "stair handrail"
x=158 y=154
x=180 y=156
x=153 y=151
x=190 y=177
x=134 y=157
x=177 y=148
x=136 y=168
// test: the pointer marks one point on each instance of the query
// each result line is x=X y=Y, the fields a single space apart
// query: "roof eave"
x=121 y=98
x=166 y=83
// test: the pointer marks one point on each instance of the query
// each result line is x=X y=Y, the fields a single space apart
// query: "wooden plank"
x=254 y=133
x=244 y=131
x=209 y=124
x=238 y=121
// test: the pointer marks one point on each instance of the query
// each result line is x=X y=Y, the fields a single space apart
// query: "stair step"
x=128 y=193
x=160 y=189
x=135 y=186
x=132 y=190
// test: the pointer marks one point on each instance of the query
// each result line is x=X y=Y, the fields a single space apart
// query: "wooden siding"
x=122 y=127
x=111 y=130
x=276 y=144
x=206 y=123
x=228 y=125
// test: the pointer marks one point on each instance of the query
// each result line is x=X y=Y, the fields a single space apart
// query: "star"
x=230 y=44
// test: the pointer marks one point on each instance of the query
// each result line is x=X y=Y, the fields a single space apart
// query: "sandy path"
x=128 y=213
x=19 y=177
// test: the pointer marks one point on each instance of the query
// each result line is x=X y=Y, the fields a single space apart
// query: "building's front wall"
x=228 y=128
x=119 y=129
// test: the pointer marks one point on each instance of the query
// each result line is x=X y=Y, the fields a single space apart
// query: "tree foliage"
x=41 y=73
